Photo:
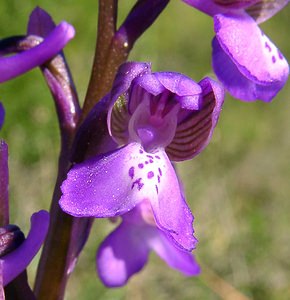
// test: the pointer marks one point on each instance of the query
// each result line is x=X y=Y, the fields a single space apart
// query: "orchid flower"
x=158 y=117
x=38 y=51
x=16 y=252
x=125 y=251
x=249 y=65
x=17 y=260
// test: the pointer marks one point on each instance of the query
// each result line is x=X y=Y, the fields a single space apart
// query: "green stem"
x=98 y=87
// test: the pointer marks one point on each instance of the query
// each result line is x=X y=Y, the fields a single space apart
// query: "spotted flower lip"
x=16 y=261
x=53 y=43
x=245 y=60
x=126 y=250
x=158 y=118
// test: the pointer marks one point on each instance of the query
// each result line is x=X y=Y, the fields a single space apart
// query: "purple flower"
x=158 y=117
x=16 y=261
x=53 y=43
x=244 y=59
x=125 y=251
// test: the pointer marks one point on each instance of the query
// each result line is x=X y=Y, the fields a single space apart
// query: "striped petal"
x=194 y=132
x=263 y=10
x=119 y=120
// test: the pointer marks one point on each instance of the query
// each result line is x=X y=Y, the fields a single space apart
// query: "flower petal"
x=170 y=210
x=187 y=91
x=263 y=10
x=176 y=258
x=17 y=261
x=214 y=7
x=18 y=64
x=2 y=115
x=40 y=23
x=122 y=254
x=194 y=132
x=127 y=72
x=107 y=185
x=240 y=61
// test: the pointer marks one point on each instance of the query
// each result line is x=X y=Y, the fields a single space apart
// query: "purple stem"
x=4 y=180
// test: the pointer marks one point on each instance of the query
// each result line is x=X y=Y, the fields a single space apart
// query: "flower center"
x=153 y=123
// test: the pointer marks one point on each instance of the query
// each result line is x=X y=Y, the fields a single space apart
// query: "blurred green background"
x=238 y=188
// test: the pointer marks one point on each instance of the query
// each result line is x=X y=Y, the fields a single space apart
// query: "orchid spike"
x=157 y=117
x=249 y=65
x=125 y=251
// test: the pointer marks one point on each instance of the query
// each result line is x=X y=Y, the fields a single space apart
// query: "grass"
x=238 y=188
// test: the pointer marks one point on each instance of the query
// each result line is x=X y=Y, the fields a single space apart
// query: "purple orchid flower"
x=125 y=251
x=244 y=59
x=158 y=117
x=16 y=261
x=46 y=49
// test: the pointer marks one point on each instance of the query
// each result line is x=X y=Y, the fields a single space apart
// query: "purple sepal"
x=127 y=72
x=17 y=261
x=2 y=115
x=56 y=73
x=212 y=7
x=233 y=52
x=40 y=23
x=18 y=64
x=186 y=90
x=142 y=16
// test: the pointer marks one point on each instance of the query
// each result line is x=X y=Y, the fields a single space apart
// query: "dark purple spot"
x=156 y=187
x=158 y=157
x=158 y=177
x=150 y=174
x=151 y=161
x=138 y=183
x=140 y=166
x=160 y=172
x=267 y=46
x=273 y=59
x=131 y=172
x=141 y=151
x=150 y=156
x=146 y=162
